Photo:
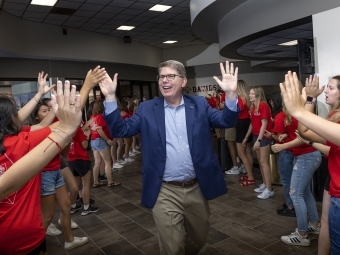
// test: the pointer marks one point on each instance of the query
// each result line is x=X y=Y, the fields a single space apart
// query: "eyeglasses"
x=169 y=77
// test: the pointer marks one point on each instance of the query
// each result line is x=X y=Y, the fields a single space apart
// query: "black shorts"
x=242 y=127
x=327 y=182
x=79 y=167
x=64 y=163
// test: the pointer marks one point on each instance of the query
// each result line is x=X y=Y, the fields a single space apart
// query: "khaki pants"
x=182 y=219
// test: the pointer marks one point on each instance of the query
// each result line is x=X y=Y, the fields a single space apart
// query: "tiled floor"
x=240 y=222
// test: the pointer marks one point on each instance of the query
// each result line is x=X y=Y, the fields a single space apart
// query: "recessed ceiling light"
x=125 y=28
x=160 y=8
x=44 y=2
x=169 y=42
x=290 y=43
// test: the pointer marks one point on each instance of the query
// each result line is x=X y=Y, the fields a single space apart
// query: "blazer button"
x=163 y=160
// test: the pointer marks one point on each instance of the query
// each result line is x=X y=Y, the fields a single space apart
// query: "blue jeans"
x=300 y=191
x=286 y=163
x=50 y=181
x=334 y=225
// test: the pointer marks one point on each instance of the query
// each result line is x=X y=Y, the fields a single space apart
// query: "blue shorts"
x=99 y=144
x=50 y=181
x=264 y=142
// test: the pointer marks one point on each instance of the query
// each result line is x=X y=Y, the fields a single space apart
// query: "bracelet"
x=37 y=100
x=59 y=147
x=56 y=130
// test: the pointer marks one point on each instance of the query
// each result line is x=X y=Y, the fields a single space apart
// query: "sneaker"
x=102 y=178
x=121 y=161
x=312 y=229
x=91 y=209
x=261 y=188
x=78 y=241
x=285 y=211
x=73 y=224
x=81 y=202
x=117 y=165
x=129 y=160
x=233 y=170
x=131 y=154
x=242 y=169
x=52 y=230
x=295 y=239
x=266 y=194
x=74 y=209
x=137 y=147
x=135 y=151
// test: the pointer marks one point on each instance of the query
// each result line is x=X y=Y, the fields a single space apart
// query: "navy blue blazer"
x=149 y=121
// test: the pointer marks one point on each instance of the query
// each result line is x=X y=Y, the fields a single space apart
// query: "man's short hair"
x=178 y=66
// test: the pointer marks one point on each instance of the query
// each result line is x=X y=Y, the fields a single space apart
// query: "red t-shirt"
x=301 y=149
x=21 y=229
x=99 y=121
x=55 y=163
x=279 y=126
x=257 y=117
x=333 y=168
x=244 y=111
x=213 y=102
x=125 y=115
x=223 y=98
x=76 y=150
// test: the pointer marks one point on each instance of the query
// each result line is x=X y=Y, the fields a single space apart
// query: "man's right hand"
x=108 y=87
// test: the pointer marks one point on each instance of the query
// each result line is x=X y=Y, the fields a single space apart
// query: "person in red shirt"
x=260 y=122
x=21 y=227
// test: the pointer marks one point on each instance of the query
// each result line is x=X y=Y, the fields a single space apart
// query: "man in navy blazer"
x=180 y=169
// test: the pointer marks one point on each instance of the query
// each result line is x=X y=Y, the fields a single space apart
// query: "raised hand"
x=229 y=78
x=312 y=86
x=108 y=87
x=291 y=95
x=93 y=77
x=43 y=88
x=66 y=106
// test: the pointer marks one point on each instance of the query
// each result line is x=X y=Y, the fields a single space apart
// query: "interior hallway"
x=241 y=224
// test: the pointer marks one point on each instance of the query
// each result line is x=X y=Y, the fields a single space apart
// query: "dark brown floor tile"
x=147 y=222
x=134 y=233
x=149 y=246
x=217 y=207
x=272 y=216
x=216 y=220
x=244 y=218
x=209 y=250
x=114 y=200
x=133 y=197
x=272 y=229
x=250 y=236
x=141 y=216
x=232 y=246
x=216 y=236
x=241 y=195
x=54 y=247
x=89 y=221
x=280 y=248
x=121 y=248
x=103 y=235
x=267 y=204
x=313 y=248
x=128 y=209
x=121 y=191
x=129 y=174
x=247 y=207
x=225 y=199
x=114 y=218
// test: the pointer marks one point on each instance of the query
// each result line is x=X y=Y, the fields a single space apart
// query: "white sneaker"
x=131 y=154
x=233 y=170
x=73 y=224
x=135 y=152
x=137 y=147
x=78 y=241
x=121 y=161
x=261 y=188
x=295 y=239
x=312 y=229
x=266 y=194
x=117 y=165
x=52 y=230
x=242 y=169
x=129 y=160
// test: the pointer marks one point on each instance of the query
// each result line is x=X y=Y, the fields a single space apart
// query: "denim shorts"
x=264 y=142
x=99 y=144
x=50 y=181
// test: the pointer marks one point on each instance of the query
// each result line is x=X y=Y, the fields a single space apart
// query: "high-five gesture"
x=108 y=87
x=43 y=88
x=312 y=86
x=229 y=77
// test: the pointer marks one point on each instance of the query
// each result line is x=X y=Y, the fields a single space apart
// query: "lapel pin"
x=191 y=106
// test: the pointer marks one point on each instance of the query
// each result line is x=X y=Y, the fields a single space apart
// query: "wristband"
x=310 y=143
x=259 y=140
x=310 y=100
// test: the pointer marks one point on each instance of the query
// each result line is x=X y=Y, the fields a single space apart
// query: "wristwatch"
x=259 y=140
x=310 y=100
x=310 y=143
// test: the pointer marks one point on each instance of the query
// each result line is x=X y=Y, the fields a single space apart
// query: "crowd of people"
x=178 y=159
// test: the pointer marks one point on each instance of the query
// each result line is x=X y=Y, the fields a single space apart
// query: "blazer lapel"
x=190 y=116
x=160 y=119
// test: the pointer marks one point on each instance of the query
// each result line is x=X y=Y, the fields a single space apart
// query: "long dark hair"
x=32 y=119
x=9 y=120
x=277 y=102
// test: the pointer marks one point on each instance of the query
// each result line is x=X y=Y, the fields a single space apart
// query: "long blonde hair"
x=242 y=91
x=259 y=96
x=334 y=114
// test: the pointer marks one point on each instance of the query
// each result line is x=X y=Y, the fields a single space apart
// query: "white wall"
x=327 y=50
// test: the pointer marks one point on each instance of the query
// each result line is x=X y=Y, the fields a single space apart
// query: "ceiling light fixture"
x=170 y=42
x=125 y=28
x=160 y=8
x=44 y=2
x=290 y=43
